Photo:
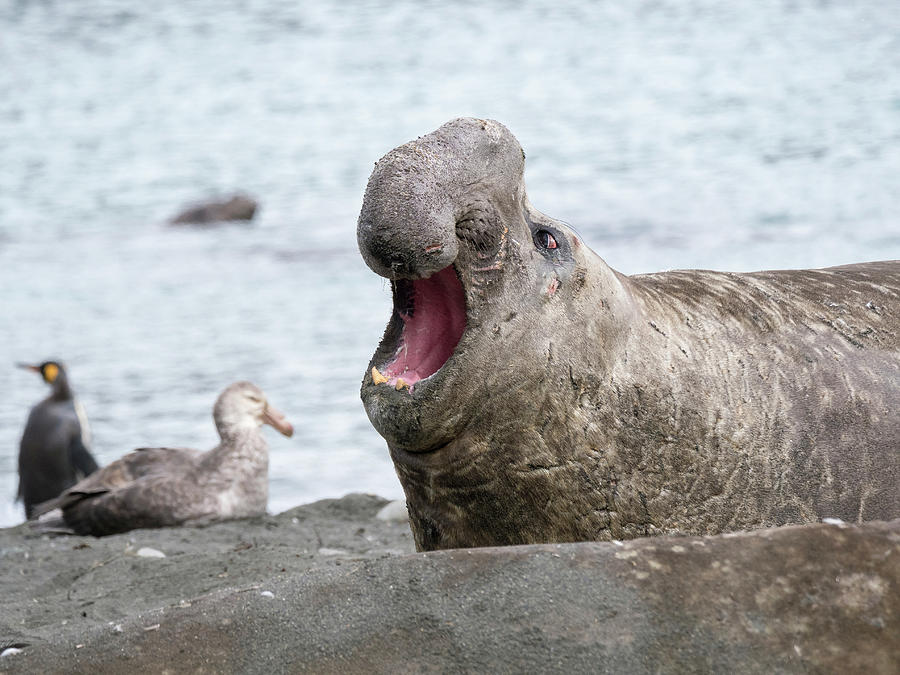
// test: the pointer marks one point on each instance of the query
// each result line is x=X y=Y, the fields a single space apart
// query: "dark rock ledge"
x=327 y=587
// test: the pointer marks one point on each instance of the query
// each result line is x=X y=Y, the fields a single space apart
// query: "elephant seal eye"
x=545 y=240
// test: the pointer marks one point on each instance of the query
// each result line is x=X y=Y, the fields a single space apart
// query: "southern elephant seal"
x=530 y=393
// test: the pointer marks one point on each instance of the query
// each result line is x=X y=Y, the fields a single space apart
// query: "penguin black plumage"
x=53 y=454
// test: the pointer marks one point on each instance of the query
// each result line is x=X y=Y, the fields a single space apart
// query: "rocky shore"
x=331 y=587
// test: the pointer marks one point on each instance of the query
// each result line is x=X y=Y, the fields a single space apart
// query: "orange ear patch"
x=50 y=372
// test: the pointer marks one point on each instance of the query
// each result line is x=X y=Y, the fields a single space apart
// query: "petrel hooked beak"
x=277 y=420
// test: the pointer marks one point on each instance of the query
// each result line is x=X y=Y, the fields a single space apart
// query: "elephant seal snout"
x=530 y=393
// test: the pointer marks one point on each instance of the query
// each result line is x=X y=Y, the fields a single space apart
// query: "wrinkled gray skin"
x=614 y=406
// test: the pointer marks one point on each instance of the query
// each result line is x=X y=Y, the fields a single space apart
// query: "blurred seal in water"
x=237 y=207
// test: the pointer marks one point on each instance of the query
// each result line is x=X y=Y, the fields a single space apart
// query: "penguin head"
x=51 y=371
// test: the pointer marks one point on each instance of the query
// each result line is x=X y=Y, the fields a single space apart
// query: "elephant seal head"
x=483 y=286
x=485 y=291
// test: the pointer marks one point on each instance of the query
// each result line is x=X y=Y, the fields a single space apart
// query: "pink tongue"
x=431 y=334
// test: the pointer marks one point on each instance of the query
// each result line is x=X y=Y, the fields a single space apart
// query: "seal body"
x=571 y=402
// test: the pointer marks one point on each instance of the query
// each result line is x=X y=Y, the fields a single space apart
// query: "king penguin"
x=53 y=453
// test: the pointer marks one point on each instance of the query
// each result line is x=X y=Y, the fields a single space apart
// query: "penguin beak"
x=28 y=366
x=277 y=420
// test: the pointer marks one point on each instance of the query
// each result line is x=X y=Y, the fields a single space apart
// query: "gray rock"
x=237 y=207
x=803 y=599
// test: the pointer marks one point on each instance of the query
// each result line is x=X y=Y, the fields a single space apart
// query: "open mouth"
x=433 y=316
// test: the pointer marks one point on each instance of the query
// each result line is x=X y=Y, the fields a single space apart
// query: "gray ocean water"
x=671 y=133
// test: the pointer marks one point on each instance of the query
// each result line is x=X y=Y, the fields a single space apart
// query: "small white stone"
x=832 y=521
x=10 y=651
x=625 y=555
x=332 y=551
x=267 y=594
x=146 y=552
x=394 y=512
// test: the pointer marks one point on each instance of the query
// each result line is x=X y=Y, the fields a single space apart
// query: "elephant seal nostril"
x=418 y=192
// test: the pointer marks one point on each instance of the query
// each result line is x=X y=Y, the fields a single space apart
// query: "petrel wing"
x=146 y=503
x=118 y=474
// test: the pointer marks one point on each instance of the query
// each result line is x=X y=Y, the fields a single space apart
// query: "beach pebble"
x=10 y=651
x=267 y=594
x=394 y=512
x=332 y=551
x=146 y=552
x=832 y=521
